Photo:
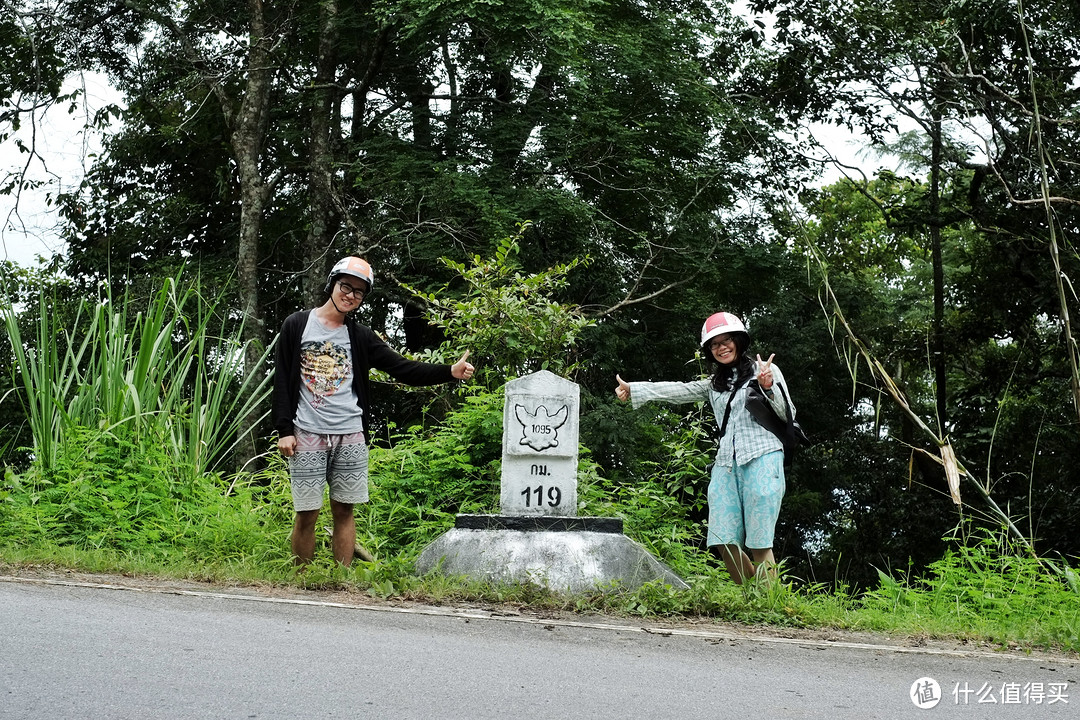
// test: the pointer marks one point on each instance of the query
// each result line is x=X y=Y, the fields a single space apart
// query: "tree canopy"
x=655 y=154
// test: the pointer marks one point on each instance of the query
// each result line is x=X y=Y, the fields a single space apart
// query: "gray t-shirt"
x=328 y=403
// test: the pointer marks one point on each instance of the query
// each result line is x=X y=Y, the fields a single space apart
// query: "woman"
x=747 y=482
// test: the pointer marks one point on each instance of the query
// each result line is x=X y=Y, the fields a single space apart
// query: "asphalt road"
x=80 y=650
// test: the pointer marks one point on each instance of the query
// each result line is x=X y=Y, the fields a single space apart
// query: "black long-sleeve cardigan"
x=368 y=351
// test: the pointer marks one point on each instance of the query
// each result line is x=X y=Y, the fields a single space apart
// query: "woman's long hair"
x=727 y=376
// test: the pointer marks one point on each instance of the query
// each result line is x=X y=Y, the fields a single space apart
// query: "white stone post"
x=539 y=537
x=540 y=446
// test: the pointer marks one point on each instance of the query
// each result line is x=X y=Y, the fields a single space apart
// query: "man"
x=322 y=401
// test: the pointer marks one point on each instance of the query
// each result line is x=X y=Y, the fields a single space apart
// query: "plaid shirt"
x=744 y=439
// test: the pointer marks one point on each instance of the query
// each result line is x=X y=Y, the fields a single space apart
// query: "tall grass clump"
x=172 y=372
x=133 y=414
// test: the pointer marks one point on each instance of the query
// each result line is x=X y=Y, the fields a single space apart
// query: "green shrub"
x=984 y=586
x=128 y=495
x=428 y=476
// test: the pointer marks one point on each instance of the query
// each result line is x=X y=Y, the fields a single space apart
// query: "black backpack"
x=789 y=432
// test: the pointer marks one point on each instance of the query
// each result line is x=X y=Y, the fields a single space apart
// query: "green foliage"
x=647 y=137
x=126 y=497
x=111 y=495
x=509 y=319
x=661 y=496
x=982 y=586
x=31 y=42
x=428 y=476
x=623 y=133
x=118 y=485
x=162 y=373
x=1003 y=368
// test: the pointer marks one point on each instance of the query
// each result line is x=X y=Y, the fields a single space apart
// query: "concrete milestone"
x=540 y=446
x=539 y=538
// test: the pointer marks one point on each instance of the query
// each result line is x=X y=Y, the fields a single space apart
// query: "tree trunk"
x=319 y=239
x=247 y=134
x=247 y=140
x=937 y=336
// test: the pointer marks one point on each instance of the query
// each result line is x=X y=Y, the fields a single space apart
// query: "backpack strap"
x=727 y=410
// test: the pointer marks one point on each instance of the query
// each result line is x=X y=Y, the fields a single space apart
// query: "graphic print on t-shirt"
x=323 y=367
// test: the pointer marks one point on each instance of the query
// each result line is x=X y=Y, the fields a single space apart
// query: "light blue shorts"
x=744 y=502
x=340 y=461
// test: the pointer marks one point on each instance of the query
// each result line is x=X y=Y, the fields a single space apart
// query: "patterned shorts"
x=744 y=502
x=338 y=460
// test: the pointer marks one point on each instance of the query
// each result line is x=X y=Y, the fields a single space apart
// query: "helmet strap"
x=340 y=311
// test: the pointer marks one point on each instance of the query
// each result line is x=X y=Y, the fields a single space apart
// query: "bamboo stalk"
x=954 y=468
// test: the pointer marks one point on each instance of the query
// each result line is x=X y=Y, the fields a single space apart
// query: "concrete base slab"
x=564 y=560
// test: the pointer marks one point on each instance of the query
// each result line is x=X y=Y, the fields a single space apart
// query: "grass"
x=239 y=534
x=133 y=417
x=1019 y=624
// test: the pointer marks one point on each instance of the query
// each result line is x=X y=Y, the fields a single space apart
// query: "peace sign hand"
x=764 y=377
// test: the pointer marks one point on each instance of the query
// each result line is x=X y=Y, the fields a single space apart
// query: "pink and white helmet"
x=719 y=324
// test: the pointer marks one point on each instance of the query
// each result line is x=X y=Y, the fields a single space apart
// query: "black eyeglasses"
x=347 y=289
x=721 y=341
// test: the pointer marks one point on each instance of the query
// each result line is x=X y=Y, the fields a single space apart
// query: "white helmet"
x=354 y=266
x=720 y=323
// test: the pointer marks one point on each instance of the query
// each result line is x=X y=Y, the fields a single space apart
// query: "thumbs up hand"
x=462 y=369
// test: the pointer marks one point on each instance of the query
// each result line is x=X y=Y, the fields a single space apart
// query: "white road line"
x=482 y=615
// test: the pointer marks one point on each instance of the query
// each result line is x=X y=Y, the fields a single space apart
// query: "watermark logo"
x=925 y=693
